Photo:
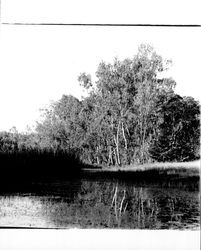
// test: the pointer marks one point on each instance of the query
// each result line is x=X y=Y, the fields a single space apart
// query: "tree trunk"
x=110 y=156
x=117 y=144
x=116 y=160
x=143 y=142
x=123 y=132
x=97 y=158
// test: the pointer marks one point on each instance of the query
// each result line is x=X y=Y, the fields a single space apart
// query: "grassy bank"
x=158 y=166
x=165 y=168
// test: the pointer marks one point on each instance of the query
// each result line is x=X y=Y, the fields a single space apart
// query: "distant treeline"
x=131 y=115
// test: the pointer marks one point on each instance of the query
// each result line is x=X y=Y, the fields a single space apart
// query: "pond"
x=103 y=203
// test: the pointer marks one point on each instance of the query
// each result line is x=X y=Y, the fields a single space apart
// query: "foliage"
x=179 y=131
x=122 y=119
x=130 y=115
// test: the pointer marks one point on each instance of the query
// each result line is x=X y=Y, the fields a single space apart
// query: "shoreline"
x=168 y=168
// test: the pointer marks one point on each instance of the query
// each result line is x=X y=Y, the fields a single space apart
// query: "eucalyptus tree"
x=126 y=92
x=125 y=117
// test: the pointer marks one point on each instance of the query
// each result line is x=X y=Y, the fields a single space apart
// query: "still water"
x=103 y=203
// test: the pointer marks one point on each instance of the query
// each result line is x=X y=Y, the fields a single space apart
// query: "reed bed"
x=33 y=163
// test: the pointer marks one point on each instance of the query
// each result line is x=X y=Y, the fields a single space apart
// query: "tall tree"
x=59 y=128
x=126 y=94
x=179 y=135
x=126 y=117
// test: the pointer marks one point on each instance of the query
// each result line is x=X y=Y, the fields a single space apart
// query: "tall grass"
x=30 y=164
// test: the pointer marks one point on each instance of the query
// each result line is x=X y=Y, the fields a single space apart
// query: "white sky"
x=40 y=63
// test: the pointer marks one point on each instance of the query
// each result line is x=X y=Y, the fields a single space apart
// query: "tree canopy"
x=130 y=115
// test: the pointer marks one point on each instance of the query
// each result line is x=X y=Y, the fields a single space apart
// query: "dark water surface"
x=103 y=203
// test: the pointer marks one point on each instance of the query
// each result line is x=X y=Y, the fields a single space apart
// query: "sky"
x=38 y=64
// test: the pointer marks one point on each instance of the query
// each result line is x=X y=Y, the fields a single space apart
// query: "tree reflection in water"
x=106 y=204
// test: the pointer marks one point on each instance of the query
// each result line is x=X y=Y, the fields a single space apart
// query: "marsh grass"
x=31 y=164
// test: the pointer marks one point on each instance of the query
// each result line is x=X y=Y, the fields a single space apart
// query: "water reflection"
x=21 y=211
x=102 y=204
